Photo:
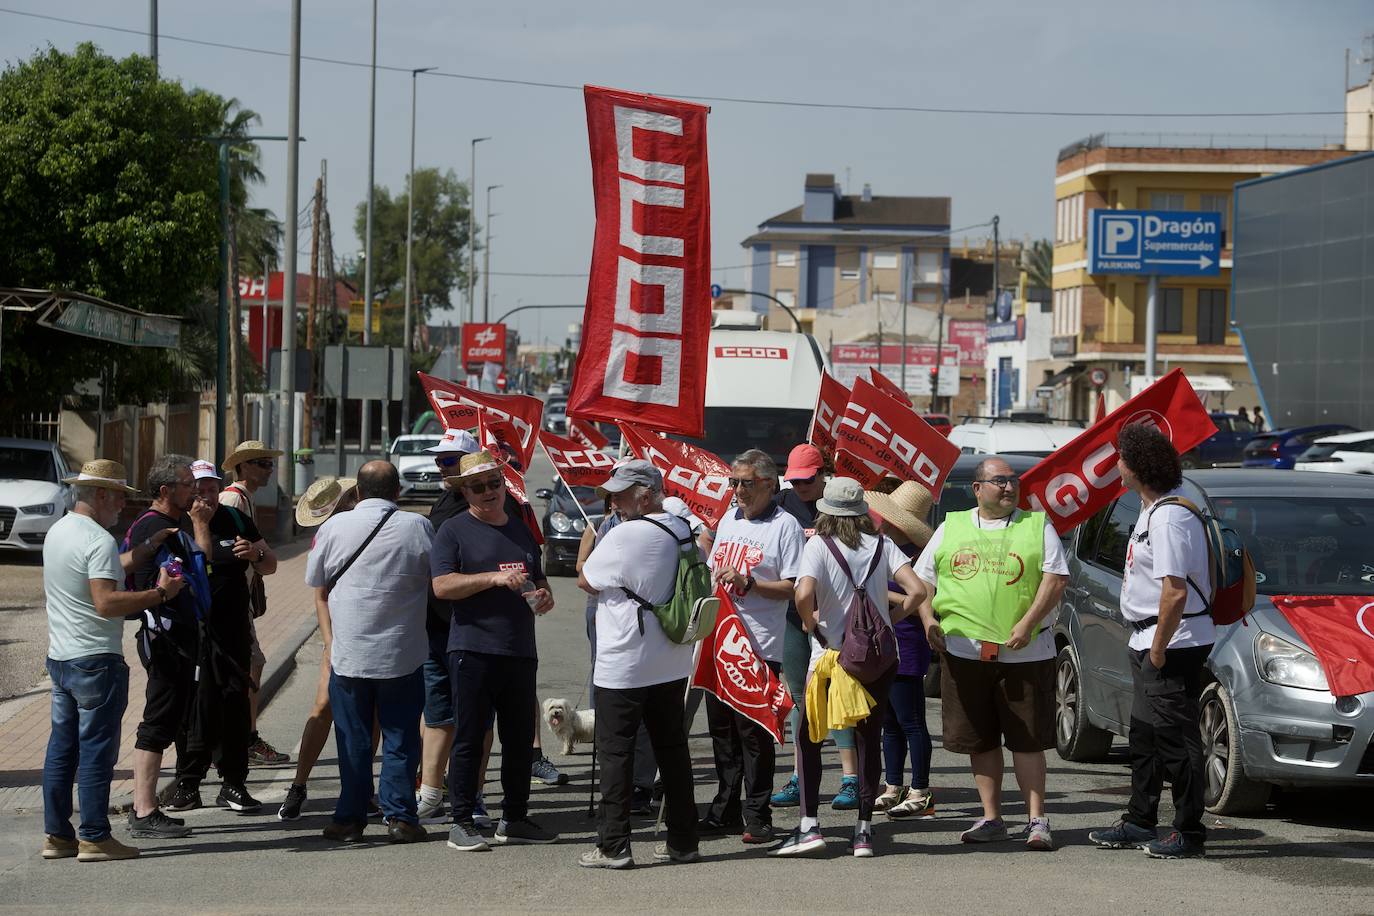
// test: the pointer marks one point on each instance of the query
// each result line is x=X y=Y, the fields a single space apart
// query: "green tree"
x=106 y=189
x=1039 y=261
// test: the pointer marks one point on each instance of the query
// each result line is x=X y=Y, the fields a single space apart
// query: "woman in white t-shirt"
x=824 y=591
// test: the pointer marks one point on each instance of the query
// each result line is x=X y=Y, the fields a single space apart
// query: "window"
x=926 y=296
x=885 y=261
x=1068 y=311
x=928 y=264
x=1115 y=536
x=1170 y=316
x=849 y=273
x=1166 y=200
x=1086 y=547
x=1068 y=219
x=1221 y=203
x=786 y=258
x=1211 y=316
x=786 y=296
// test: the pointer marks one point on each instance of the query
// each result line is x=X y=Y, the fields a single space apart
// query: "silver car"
x=1267 y=715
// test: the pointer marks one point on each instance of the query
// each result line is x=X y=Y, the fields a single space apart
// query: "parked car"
x=1280 y=448
x=1224 y=447
x=556 y=417
x=564 y=523
x=1267 y=715
x=1005 y=437
x=32 y=494
x=420 y=477
x=1348 y=453
x=939 y=421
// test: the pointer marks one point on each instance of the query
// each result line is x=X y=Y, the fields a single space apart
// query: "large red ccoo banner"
x=647 y=321
x=694 y=475
x=458 y=407
x=578 y=465
x=879 y=435
x=830 y=401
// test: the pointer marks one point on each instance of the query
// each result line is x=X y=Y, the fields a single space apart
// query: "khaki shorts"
x=991 y=704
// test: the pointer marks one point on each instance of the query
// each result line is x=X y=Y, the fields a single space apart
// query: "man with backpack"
x=640 y=672
x=1164 y=596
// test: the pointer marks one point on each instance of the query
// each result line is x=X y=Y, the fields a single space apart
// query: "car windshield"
x=414 y=446
x=584 y=495
x=733 y=430
x=1305 y=546
x=27 y=464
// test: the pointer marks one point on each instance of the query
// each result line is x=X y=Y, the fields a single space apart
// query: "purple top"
x=913 y=652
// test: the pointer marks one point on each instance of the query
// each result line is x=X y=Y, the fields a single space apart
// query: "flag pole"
x=576 y=502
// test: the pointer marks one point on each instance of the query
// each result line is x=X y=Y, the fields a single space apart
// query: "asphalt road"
x=23 y=623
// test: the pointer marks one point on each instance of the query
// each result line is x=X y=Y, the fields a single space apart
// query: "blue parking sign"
x=1174 y=243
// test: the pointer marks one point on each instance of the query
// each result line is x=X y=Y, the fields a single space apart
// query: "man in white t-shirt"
x=640 y=676
x=757 y=555
x=1162 y=598
x=997 y=574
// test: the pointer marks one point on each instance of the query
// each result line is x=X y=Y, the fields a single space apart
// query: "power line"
x=730 y=100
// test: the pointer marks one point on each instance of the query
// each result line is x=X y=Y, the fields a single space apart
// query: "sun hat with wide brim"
x=248 y=451
x=320 y=500
x=906 y=509
x=104 y=474
x=470 y=466
x=844 y=497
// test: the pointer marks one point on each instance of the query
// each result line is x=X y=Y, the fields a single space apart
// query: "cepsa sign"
x=484 y=343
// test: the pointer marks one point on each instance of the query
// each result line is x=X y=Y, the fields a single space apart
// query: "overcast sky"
x=1108 y=57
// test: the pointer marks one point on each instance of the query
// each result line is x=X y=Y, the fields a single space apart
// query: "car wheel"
x=1189 y=461
x=1227 y=789
x=1074 y=736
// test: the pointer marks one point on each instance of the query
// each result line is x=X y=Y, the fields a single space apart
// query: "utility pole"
x=222 y=325
x=308 y=428
x=367 y=242
x=472 y=225
x=410 y=236
x=940 y=353
x=152 y=32
x=266 y=297
x=486 y=257
x=286 y=467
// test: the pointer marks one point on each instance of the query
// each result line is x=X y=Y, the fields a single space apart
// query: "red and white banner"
x=730 y=667
x=515 y=486
x=585 y=431
x=647 y=321
x=697 y=477
x=830 y=401
x=499 y=437
x=889 y=387
x=1081 y=477
x=971 y=337
x=851 y=361
x=879 y=435
x=1340 y=630
x=484 y=343
x=446 y=401
x=578 y=465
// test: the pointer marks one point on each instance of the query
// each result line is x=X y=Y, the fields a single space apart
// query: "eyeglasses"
x=802 y=480
x=478 y=487
x=265 y=463
x=448 y=461
x=741 y=483
x=1002 y=483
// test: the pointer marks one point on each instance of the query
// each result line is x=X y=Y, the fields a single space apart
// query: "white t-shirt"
x=1176 y=546
x=768 y=547
x=76 y=551
x=833 y=591
x=642 y=558
x=1053 y=562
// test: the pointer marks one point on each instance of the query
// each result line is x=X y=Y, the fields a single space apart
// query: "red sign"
x=730 y=667
x=1081 y=477
x=971 y=337
x=881 y=433
x=444 y=397
x=648 y=314
x=578 y=465
x=484 y=343
x=889 y=387
x=697 y=477
x=1340 y=630
x=830 y=401
x=751 y=352
x=585 y=431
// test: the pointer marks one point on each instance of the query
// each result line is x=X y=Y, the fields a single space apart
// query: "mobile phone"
x=988 y=651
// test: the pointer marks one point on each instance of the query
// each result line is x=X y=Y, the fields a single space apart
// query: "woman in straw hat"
x=903 y=513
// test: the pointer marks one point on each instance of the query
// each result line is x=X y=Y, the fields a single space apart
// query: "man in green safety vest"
x=995 y=575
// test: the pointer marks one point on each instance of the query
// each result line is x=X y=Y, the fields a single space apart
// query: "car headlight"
x=41 y=509
x=1280 y=662
x=560 y=522
x=579 y=525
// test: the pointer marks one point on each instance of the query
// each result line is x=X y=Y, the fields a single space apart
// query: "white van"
x=1001 y=437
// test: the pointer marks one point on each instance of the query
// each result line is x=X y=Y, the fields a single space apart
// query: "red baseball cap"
x=803 y=462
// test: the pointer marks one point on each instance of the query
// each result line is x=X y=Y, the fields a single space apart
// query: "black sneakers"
x=291 y=808
x=185 y=797
x=1122 y=835
x=236 y=798
x=157 y=826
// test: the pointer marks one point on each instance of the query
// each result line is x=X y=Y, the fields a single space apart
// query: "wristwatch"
x=261 y=553
x=748 y=584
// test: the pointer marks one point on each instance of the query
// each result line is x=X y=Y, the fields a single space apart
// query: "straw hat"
x=102 y=473
x=906 y=509
x=247 y=451
x=318 y=502
x=471 y=465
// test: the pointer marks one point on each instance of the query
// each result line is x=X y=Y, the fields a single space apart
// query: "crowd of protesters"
x=429 y=631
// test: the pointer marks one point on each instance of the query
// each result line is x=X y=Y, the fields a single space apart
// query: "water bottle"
x=173 y=567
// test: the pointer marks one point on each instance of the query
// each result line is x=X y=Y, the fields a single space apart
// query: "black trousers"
x=484 y=683
x=220 y=723
x=1165 y=739
x=619 y=714
x=745 y=756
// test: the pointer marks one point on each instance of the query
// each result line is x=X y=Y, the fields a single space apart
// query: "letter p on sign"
x=1120 y=235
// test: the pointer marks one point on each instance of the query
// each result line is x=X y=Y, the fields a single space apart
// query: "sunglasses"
x=742 y=484
x=265 y=463
x=448 y=461
x=477 y=487
x=802 y=480
x=1002 y=483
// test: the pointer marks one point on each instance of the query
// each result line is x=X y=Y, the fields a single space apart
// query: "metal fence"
x=39 y=424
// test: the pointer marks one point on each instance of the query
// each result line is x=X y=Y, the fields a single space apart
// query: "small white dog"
x=568 y=723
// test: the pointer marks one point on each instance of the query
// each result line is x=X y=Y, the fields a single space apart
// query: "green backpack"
x=689 y=614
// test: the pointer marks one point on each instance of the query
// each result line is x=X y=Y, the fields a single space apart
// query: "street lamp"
x=486 y=257
x=366 y=407
x=410 y=236
x=472 y=227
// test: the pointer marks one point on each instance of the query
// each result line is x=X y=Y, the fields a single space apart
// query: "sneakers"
x=918 y=803
x=1175 y=846
x=985 y=830
x=665 y=853
x=260 y=753
x=430 y=812
x=157 y=826
x=185 y=797
x=1122 y=835
x=847 y=799
x=291 y=808
x=862 y=845
x=57 y=847
x=236 y=798
x=465 y=838
x=710 y=825
x=480 y=818
x=641 y=801
x=1038 y=834
x=789 y=796
x=595 y=858
x=343 y=832
x=543 y=770
x=799 y=843
x=522 y=831
x=399 y=831
x=892 y=795
x=106 y=850
x=758 y=833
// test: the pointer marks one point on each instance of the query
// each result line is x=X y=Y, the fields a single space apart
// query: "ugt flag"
x=1340 y=630
x=729 y=667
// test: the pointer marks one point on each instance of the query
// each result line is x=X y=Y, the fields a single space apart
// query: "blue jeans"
x=396 y=703
x=88 y=699
x=904 y=729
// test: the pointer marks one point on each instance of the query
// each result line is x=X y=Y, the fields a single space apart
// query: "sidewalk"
x=24 y=726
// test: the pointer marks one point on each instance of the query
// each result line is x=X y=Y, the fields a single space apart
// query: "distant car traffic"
x=1224 y=447
x=1347 y=453
x=1280 y=448
x=1005 y=437
x=32 y=495
x=420 y=476
x=563 y=524
x=556 y=417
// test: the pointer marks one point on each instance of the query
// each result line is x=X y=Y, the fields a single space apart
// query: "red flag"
x=880 y=432
x=444 y=397
x=867 y=473
x=830 y=401
x=515 y=486
x=521 y=411
x=585 y=431
x=1340 y=631
x=1101 y=413
x=498 y=436
x=647 y=321
x=1081 y=477
x=697 y=477
x=578 y=465
x=730 y=667
x=889 y=387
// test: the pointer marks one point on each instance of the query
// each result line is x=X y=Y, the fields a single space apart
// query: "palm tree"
x=1039 y=262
